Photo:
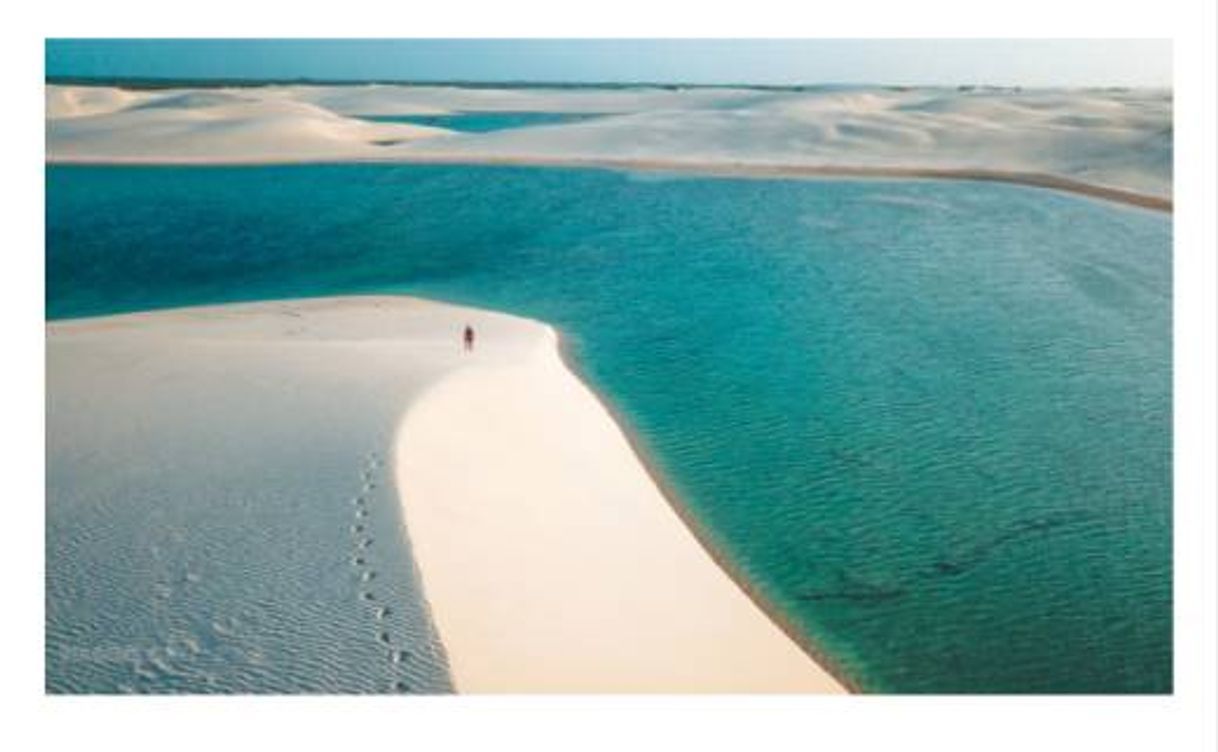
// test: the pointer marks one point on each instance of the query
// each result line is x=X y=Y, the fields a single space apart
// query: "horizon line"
x=157 y=82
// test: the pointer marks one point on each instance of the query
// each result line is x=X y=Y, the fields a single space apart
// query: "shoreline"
x=621 y=566
x=726 y=169
x=699 y=530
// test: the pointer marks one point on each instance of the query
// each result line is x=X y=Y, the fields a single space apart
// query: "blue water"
x=484 y=122
x=929 y=421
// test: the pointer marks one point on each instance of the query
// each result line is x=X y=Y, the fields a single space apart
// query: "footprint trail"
x=361 y=541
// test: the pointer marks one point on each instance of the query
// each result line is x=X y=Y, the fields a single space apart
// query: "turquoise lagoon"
x=929 y=422
x=484 y=122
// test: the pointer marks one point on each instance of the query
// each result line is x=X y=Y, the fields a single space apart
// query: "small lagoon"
x=484 y=122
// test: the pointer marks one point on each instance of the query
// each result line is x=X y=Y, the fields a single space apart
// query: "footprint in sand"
x=360 y=502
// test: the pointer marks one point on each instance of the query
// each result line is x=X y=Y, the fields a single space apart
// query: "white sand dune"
x=63 y=102
x=1113 y=139
x=550 y=559
x=212 y=125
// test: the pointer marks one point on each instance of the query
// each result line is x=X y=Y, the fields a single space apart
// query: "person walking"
x=468 y=337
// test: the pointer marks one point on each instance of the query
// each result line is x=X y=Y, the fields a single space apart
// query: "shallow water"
x=930 y=421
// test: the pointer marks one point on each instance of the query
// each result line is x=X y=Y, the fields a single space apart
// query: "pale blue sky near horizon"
x=1024 y=62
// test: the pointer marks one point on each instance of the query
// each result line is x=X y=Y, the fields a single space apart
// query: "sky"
x=1025 y=62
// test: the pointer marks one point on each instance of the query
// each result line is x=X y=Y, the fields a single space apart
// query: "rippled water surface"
x=930 y=421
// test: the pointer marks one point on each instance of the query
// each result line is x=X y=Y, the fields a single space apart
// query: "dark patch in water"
x=853 y=590
x=974 y=556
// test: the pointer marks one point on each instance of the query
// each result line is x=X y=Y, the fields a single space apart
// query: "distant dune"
x=110 y=125
x=1118 y=141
